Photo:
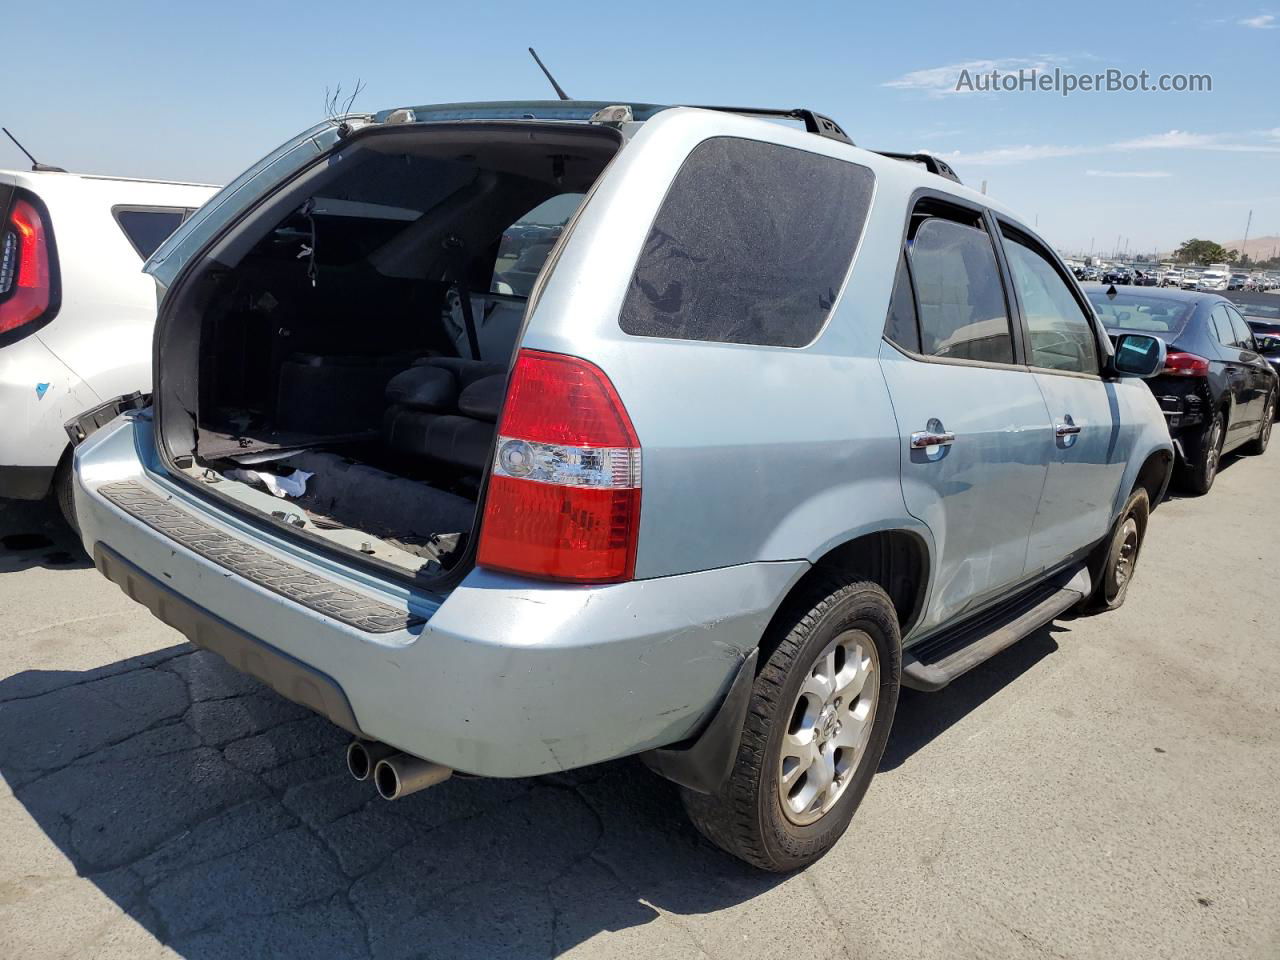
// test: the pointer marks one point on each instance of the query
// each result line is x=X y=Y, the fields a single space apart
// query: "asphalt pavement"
x=1108 y=787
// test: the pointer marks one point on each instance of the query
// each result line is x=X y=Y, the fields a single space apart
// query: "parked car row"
x=1217 y=277
x=704 y=476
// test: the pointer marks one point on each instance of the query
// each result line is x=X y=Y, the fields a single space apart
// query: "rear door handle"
x=929 y=438
x=1067 y=429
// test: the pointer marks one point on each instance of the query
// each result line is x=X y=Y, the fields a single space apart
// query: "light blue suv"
x=518 y=437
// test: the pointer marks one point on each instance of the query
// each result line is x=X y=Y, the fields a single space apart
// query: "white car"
x=1214 y=280
x=76 y=310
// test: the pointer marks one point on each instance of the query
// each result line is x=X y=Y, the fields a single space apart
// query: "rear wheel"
x=1259 y=445
x=1197 y=476
x=1118 y=563
x=63 y=493
x=818 y=720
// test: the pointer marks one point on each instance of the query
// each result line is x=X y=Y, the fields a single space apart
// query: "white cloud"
x=1139 y=174
x=1182 y=140
x=1263 y=21
x=940 y=81
x=1008 y=156
x=1170 y=140
x=951 y=134
x=1173 y=139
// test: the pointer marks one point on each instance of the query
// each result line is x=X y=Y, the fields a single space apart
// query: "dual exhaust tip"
x=394 y=774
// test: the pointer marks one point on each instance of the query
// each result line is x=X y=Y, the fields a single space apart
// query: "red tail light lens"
x=564 y=495
x=26 y=287
x=1185 y=365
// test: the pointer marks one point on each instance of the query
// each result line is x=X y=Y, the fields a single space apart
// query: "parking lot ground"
x=1109 y=787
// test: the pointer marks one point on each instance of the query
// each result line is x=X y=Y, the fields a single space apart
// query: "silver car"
x=777 y=426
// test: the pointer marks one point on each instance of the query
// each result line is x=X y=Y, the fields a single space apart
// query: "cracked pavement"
x=1106 y=788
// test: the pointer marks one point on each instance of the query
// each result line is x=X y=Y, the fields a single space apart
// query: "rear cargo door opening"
x=336 y=361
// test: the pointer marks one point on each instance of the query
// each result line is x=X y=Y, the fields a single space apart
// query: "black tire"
x=63 y=493
x=1118 y=555
x=1258 y=446
x=746 y=817
x=1197 y=476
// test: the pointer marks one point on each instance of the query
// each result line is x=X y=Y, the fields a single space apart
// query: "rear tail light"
x=564 y=494
x=1185 y=365
x=26 y=286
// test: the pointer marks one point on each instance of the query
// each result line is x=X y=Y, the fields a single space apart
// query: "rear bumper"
x=504 y=677
x=289 y=677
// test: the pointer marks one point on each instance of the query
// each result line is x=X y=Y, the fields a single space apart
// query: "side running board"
x=935 y=662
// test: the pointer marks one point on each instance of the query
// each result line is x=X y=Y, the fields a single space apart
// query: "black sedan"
x=1117 y=275
x=1261 y=310
x=1217 y=392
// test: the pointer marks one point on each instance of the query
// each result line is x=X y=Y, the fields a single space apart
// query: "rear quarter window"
x=147 y=227
x=751 y=245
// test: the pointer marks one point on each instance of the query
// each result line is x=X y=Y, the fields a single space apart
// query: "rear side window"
x=146 y=227
x=525 y=244
x=1243 y=335
x=751 y=245
x=963 y=315
x=1222 y=326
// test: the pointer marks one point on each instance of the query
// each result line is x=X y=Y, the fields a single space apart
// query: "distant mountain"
x=1260 y=248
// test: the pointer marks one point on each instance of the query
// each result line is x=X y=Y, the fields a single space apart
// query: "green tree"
x=1200 y=251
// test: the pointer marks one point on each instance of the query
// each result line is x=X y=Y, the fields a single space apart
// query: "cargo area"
x=338 y=361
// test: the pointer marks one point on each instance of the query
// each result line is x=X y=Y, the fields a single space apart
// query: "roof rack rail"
x=926 y=160
x=813 y=122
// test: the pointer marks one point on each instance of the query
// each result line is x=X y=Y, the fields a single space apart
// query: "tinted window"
x=1221 y=326
x=962 y=307
x=1060 y=335
x=525 y=244
x=901 y=326
x=751 y=245
x=147 y=229
x=1243 y=335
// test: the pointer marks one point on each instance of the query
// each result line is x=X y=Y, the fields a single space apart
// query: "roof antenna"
x=36 y=166
x=559 y=89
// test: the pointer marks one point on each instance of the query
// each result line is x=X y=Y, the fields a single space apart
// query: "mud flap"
x=704 y=763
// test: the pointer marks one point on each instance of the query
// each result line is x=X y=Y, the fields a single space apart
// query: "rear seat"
x=445 y=409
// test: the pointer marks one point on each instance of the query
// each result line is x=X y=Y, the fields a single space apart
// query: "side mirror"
x=1138 y=355
x=1268 y=344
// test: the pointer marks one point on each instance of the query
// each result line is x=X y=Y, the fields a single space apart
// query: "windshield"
x=1129 y=312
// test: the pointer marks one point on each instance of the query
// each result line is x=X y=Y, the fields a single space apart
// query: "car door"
x=1241 y=418
x=970 y=417
x=1084 y=445
x=1258 y=370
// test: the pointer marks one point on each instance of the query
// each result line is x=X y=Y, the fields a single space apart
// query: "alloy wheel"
x=1213 y=451
x=828 y=727
x=1126 y=555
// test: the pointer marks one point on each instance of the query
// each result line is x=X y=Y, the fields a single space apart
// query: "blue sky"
x=200 y=91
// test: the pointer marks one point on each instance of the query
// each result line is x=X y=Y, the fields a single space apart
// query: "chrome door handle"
x=928 y=438
x=1066 y=430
